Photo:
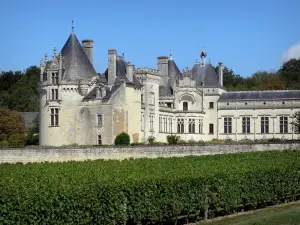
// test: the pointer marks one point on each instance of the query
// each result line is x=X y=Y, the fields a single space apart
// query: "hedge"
x=146 y=191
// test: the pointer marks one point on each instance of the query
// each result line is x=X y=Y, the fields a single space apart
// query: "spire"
x=46 y=57
x=73 y=23
x=54 y=52
x=171 y=58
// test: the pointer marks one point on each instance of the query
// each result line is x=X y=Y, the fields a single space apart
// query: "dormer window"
x=54 y=78
x=185 y=106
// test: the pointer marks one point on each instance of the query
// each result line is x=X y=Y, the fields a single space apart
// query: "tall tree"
x=290 y=74
x=264 y=80
x=11 y=123
x=296 y=122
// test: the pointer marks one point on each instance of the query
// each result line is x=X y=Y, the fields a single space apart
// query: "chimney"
x=162 y=66
x=129 y=71
x=112 y=69
x=220 y=71
x=88 y=47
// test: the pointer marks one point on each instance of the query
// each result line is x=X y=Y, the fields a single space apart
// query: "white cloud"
x=291 y=52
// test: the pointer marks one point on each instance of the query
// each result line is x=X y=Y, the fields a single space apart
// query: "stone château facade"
x=79 y=106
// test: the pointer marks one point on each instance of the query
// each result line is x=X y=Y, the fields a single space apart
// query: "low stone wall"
x=91 y=153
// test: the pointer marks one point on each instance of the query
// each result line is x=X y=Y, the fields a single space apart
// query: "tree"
x=296 y=122
x=263 y=80
x=33 y=132
x=122 y=139
x=12 y=127
x=19 y=91
x=290 y=73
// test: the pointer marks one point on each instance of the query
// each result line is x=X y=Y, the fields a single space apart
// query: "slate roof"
x=121 y=73
x=173 y=74
x=205 y=73
x=29 y=117
x=260 y=95
x=76 y=65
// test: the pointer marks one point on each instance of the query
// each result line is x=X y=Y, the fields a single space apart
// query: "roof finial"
x=73 y=23
x=54 y=52
x=46 y=57
x=171 y=54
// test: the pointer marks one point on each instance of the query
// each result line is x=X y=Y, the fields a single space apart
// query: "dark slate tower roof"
x=76 y=65
x=260 y=95
x=205 y=73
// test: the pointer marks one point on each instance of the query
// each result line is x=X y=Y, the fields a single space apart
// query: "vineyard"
x=146 y=191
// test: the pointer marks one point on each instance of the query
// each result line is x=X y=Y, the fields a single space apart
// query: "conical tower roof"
x=76 y=65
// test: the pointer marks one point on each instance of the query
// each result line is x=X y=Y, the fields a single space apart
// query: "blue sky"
x=246 y=36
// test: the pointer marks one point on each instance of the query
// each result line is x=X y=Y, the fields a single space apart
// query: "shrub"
x=16 y=141
x=181 y=141
x=173 y=139
x=151 y=140
x=4 y=144
x=191 y=141
x=146 y=191
x=32 y=139
x=274 y=140
x=217 y=141
x=228 y=141
x=122 y=139
x=245 y=140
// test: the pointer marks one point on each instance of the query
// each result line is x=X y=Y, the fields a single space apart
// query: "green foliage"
x=33 y=132
x=158 y=143
x=16 y=140
x=11 y=122
x=19 y=91
x=181 y=141
x=4 y=144
x=296 y=122
x=274 y=140
x=151 y=140
x=173 y=139
x=122 y=139
x=146 y=191
x=290 y=73
x=217 y=141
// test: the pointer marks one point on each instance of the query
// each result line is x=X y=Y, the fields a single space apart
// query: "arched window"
x=185 y=106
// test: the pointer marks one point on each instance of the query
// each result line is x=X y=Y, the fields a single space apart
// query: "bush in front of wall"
x=173 y=139
x=122 y=139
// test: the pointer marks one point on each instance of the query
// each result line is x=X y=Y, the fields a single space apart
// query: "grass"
x=287 y=214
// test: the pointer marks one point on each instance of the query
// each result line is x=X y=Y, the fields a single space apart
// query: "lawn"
x=288 y=214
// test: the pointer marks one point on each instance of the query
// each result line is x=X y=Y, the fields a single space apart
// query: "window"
x=180 y=125
x=264 y=124
x=99 y=120
x=54 y=117
x=200 y=126
x=151 y=123
x=227 y=125
x=54 y=78
x=160 y=124
x=169 y=105
x=211 y=128
x=211 y=105
x=165 y=125
x=283 y=124
x=99 y=140
x=142 y=122
x=54 y=93
x=185 y=106
x=45 y=77
x=142 y=98
x=246 y=125
x=191 y=125
x=170 y=125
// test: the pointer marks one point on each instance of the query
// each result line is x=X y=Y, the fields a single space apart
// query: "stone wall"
x=91 y=153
